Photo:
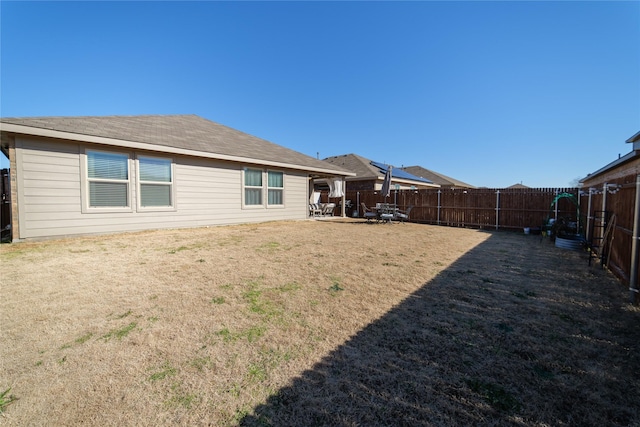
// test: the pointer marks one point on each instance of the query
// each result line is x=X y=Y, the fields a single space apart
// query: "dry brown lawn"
x=336 y=323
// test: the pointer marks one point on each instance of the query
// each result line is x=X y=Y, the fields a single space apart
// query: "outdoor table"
x=386 y=211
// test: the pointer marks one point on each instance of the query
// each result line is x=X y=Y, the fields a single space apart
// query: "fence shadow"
x=516 y=332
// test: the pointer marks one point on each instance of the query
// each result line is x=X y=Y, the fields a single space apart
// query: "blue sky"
x=490 y=93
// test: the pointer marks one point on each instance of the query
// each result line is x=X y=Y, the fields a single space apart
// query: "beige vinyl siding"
x=48 y=184
x=208 y=187
x=207 y=192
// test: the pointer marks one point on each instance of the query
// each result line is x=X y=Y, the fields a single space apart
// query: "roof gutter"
x=49 y=133
x=410 y=182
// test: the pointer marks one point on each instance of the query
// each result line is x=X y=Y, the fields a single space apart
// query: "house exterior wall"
x=360 y=185
x=13 y=184
x=50 y=197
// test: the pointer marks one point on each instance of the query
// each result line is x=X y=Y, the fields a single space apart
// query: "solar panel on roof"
x=399 y=173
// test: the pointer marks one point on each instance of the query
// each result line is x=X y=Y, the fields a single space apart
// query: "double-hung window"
x=156 y=182
x=253 y=187
x=108 y=180
x=275 y=188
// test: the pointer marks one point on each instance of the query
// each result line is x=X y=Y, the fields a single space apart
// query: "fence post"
x=578 y=219
x=439 y=192
x=497 y=209
x=587 y=232
x=633 y=279
x=604 y=211
x=343 y=212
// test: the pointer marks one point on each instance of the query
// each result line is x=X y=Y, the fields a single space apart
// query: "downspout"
x=633 y=280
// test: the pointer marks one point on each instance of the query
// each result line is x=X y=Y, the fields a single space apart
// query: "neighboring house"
x=369 y=175
x=80 y=175
x=518 y=186
x=437 y=178
x=624 y=166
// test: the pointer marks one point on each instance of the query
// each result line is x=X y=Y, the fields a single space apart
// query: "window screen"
x=155 y=182
x=108 y=175
x=275 y=190
x=252 y=187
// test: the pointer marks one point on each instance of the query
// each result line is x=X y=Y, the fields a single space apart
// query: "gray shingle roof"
x=359 y=165
x=186 y=132
x=366 y=169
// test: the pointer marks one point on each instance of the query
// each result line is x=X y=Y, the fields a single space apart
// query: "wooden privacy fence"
x=477 y=208
x=616 y=199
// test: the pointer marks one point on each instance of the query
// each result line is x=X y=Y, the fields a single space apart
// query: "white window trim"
x=139 y=183
x=284 y=178
x=84 y=183
x=262 y=189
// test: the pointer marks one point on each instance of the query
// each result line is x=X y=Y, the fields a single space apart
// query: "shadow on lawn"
x=516 y=332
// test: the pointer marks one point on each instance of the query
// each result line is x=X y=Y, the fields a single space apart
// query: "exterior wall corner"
x=13 y=183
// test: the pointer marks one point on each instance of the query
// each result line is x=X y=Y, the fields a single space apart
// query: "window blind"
x=155 y=195
x=108 y=194
x=108 y=176
x=157 y=170
x=107 y=165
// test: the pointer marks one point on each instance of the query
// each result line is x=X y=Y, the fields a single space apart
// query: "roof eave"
x=49 y=133
x=634 y=138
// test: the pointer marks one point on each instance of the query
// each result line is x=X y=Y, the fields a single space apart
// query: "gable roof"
x=357 y=164
x=369 y=169
x=436 y=177
x=177 y=134
x=518 y=185
x=634 y=138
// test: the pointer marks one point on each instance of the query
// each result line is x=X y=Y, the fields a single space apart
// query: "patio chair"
x=403 y=216
x=328 y=208
x=314 y=209
x=367 y=213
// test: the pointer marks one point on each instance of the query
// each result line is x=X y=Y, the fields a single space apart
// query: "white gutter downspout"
x=633 y=279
